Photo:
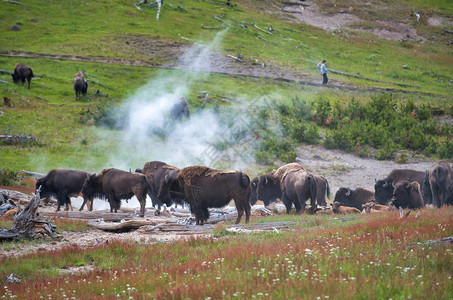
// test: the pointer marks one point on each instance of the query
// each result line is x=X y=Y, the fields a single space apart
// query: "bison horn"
x=166 y=179
x=393 y=184
x=265 y=180
x=386 y=184
x=408 y=186
x=348 y=193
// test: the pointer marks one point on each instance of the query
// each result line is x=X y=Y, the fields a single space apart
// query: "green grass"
x=117 y=30
x=386 y=254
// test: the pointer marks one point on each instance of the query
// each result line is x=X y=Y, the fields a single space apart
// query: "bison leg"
x=287 y=202
x=142 y=206
x=435 y=192
x=29 y=80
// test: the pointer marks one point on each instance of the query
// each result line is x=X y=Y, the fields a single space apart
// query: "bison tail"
x=328 y=190
x=312 y=189
x=244 y=180
x=150 y=188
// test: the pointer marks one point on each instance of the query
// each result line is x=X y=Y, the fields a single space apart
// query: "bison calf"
x=339 y=209
x=372 y=207
x=22 y=72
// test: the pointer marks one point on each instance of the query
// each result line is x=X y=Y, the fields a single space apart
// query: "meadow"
x=370 y=257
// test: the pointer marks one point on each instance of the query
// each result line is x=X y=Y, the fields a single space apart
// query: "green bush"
x=8 y=177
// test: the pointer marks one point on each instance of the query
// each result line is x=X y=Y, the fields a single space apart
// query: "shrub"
x=8 y=177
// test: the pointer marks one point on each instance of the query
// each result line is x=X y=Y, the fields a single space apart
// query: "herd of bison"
x=203 y=188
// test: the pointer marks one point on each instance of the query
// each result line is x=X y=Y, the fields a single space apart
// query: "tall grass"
x=382 y=252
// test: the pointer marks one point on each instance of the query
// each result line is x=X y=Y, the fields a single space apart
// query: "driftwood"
x=218 y=19
x=235 y=58
x=12 y=2
x=17 y=197
x=34 y=174
x=87 y=215
x=6 y=72
x=122 y=225
x=5 y=82
x=26 y=223
x=268 y=32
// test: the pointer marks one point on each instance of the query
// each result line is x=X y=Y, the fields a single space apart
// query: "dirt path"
x=223 y=65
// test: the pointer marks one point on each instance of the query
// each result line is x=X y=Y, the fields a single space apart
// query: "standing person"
x=324 y=72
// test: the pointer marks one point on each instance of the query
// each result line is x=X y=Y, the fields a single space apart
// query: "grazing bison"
x=80 y=85
x=116 y=185
x=22 y=72
x=383 y=189
x=371 y=207
x=353 y=198
x=62 y=184
x=180 y=109
x=340 y=209
x=407 y=194
x=322 y=189
x=441 y=183
x=157 y=172
x=291 y=183
x=204 y=188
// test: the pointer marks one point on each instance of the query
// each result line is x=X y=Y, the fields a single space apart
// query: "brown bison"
x=383 y=189
x=407 y=194
x=180 y=109
x=441 y=183
x=116 y=185
x=322 y=189
x=80 y=85
x=203 y=188
x=62 y=184
x=344 y=210
x=291 y=183
x=353 y=198
x=157 y=172
x=22 y=72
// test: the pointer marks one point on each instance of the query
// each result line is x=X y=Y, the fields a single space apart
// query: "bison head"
x=167 y=185
x=383 y=191
x=90 y=187
x=268 y=189
x=253 y=186
x=367 y=207
x=402 y=193
x=15 y=77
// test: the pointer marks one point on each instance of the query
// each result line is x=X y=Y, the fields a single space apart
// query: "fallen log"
x=27 y=224
x=6 y=72
x=34 y=174
x=89 y=215
x=17 y=197
x=235 y=58
x=123 y=225
x=268 y=32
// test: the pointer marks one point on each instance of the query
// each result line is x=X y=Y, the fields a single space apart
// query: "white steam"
x=152 y=134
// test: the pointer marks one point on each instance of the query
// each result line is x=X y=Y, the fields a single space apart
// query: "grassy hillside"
x=103 y=38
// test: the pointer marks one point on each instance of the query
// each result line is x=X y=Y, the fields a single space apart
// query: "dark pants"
x=324 y=78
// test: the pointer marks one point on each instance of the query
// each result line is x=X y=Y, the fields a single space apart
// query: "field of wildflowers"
x=371 y=257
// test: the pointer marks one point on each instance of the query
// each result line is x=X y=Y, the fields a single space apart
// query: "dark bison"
x=441 y=183
x=180 y=109
x=80 y=85
x=116 y=185
x=353 y=198
x=383 y=189
x=62 y=184
x=291 y=183
x=22 y=72
x=204 y=188
x=407 y=194
x=322 y=189
x=157 y=172
x=253 y=186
